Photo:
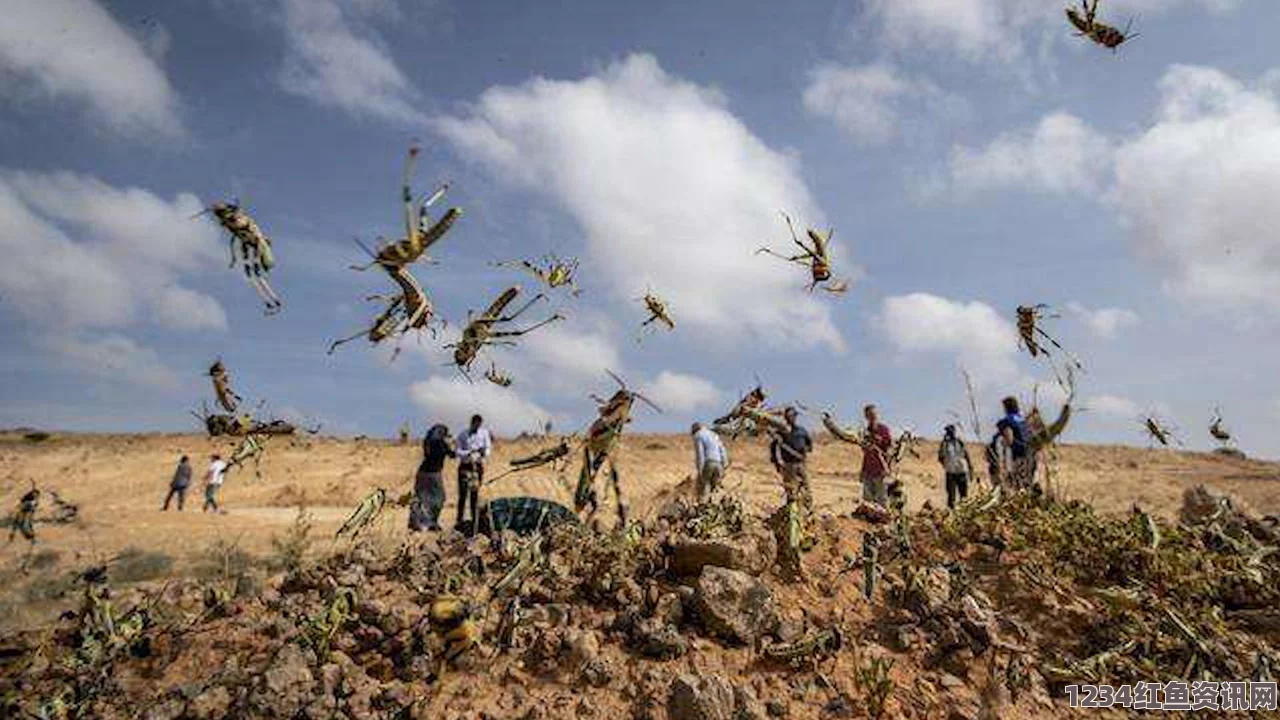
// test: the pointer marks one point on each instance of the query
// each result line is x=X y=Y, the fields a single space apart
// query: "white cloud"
x=183 y=309
x=454 y=401
x=130 y=248
x=568 y=357
x=974 y=333
x=671 y=190
x=1198 y=189
x=1062 y=154
x=868 y=101
x=112 y=357
x=678 y=392
x=336 y=60
x=994 y=30
x=75 y=49
x=1112 y=405
x=1104 y=322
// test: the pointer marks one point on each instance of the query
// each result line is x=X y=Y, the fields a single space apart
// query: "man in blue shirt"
x=710 y=458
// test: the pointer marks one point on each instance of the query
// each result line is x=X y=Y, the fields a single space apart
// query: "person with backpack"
x=956 y=465
x=1017 y=468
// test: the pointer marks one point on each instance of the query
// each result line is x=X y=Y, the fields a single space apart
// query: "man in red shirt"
x=876 y=444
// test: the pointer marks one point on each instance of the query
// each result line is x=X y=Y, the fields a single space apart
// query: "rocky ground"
x=987 y=611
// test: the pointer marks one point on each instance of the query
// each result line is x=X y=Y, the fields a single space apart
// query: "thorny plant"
x=291 y=547
x=817 y=256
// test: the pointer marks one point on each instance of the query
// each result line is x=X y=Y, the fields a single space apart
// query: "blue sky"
x=972 y=155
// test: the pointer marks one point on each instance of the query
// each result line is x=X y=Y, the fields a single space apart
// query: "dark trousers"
x=957 y=483
x=181 y=492
x=470 y=477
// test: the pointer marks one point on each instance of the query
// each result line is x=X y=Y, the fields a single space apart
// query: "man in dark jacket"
x=788 y=452
x=428 y=485
x=178 y=486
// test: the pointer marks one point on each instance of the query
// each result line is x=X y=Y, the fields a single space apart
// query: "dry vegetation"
x=248 y=613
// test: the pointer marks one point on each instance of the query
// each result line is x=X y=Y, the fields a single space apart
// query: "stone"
x=752 y=551
x=211 y=704
x=286 y=685
x=700 y=697
x=734 y=605
x=658 y=640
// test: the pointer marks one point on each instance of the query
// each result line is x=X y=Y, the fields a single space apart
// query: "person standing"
x=213 y=478
x=179 y=484
x=710 y=459
x=474 y=445
x=788 y=451
x=1006 y=461
x=428 y=484
x=1018 y=471
x=877 y=443
x=956 y=465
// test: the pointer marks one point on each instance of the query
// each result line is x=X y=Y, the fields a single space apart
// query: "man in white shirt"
x=709 y=458
x=213 y=478
x=474 y=445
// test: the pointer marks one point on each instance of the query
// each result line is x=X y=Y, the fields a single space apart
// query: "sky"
x=971 y=155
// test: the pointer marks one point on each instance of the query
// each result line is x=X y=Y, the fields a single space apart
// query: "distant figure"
x=956 y=465
x=1019 y=471
x=24 y=521
x=788 y=452
x=1006 y=460
x=179 y=484
x=877 y=443
x=213 y=478
x=546 y=429
x=709 y=458
x=428 y=485
x=474 y=445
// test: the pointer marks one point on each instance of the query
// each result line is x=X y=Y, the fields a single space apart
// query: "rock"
x=669 y=609
x=751 y=551
x=840 y=706
x=168 y=709
x=286 y=685
x=212 y=704
x=746 y=705
x=1201 y=503
x=658 y=640
x=734 y=606
x=777 y=707
x=583 y=648
x=947 y=680
x=700 y=697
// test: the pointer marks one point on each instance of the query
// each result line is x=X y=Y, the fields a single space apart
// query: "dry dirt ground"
x=119 y=482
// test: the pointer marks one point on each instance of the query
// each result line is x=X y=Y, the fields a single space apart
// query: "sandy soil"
x=119 y=482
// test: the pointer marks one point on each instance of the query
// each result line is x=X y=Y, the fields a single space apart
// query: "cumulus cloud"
x=1112 y=406
x=987 y=30
x=74 y=49
x=1198 y=189
x=678 y=392
x=454 y=400
x=565 y=356
x=130 y=247
x=974 y=333
x=1103 y=322
x=868 y=101
x=666 y=184
x=1061 y=154
x=337 y=60
x=112 y=357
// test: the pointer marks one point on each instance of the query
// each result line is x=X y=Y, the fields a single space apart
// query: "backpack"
x=953 y=455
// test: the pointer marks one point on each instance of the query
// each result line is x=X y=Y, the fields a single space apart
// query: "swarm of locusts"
x=1089 y=26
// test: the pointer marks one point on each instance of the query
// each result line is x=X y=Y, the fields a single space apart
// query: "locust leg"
x=531 y=328
x=799 y=259
x=336 y=343
x=617 y=493
x=518 y=313
x=232 y=248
